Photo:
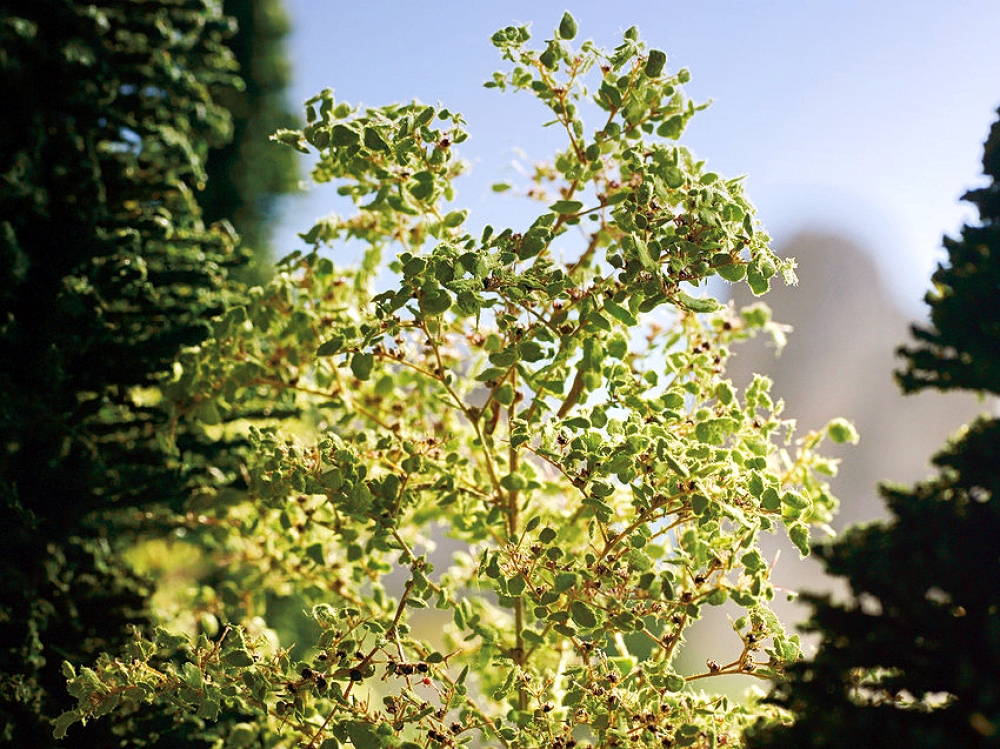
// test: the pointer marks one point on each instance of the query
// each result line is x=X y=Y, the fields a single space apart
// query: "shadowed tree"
x=107 y=269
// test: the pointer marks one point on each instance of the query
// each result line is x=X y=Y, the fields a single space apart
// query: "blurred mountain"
x=839 y=361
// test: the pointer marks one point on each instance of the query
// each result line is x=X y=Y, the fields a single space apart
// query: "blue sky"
x=867 y=117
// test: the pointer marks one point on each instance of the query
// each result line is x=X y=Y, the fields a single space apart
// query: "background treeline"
x=133 y=142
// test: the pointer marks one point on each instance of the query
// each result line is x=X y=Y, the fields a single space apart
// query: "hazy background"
x=860 y=125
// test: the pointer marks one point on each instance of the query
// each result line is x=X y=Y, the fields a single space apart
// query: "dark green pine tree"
x=248 y=175
x=107 y=269
x=913 y=659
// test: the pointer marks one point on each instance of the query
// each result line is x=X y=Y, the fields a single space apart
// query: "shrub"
x=549 y=402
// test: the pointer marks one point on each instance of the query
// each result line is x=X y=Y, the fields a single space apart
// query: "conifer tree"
x=107 y=269
x=913 y=658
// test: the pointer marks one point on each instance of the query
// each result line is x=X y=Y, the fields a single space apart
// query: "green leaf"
x=655 y=63
x=504 y=394
x=374 y=141
x=699 y=504
x=724 y=393
x=699 y=304
x=583 y=615
x=363 y=735
x=514 y=482
x=673 y=177
x=548 y=57
x=795 y=501
x=675 y=464
x=435 y=302
x=503 y=358
x=424 y=187
x=799 y=535
x=533 y=242
x=361 y=365
x=617 y=347
x=491 y=373
x=316 y=554
x=757 y=283
x=672 y=128
x=238 y=658
x=505 y=688
x=566 y=207
x=753 y=561
x=208 y=412
x=599 y=321
x=733 y=272
x=601 y=488
x=766 y=266
x=332 y=347
x=192 y=675
x=787 y=647
x=841 y=431
x=567 y=27
x=770 y=500
x=688 y=733
x=531 y=351
x=342 y=135
x=62 y=724
x=241 y=735
x=385 y=385
x=757 y=315
x=621 y=314
x=519 y=435
x=674 y=683
x=611 y=95
x=717 y=597
x=291 y=138
x=566 y=580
